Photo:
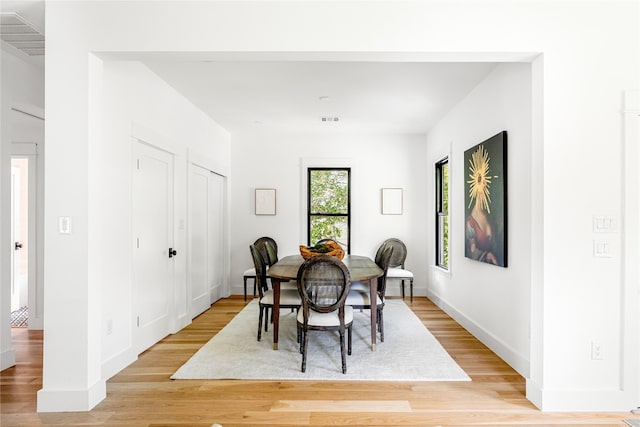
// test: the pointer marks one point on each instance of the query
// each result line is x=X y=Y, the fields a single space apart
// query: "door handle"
x=17 y=246
x=172 y=252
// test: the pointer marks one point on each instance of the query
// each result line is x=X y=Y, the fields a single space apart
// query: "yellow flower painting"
x=479 y=179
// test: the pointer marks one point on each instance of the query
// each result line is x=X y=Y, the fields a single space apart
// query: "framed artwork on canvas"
x=485 y=201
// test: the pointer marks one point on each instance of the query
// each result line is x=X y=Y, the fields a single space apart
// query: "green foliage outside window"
x=445 y=208
x=442 y=226
x=329 y=205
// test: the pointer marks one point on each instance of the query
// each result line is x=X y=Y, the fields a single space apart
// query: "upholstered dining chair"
x=269 y=250
x=289 y=298
x=323 y=285
x=396 y=264
x=359 y=296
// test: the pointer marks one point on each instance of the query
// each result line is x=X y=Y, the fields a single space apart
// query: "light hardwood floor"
x=143 y=395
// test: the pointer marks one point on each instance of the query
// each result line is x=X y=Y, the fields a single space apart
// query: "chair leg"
x=381 y=324
x=411 y=286
x=342 y=352
x=255 y=286
x=402 y=287
x=305 y=339
x=349 y=339
x=245 y=287
x=266 y=322
x=260 y=323
x=302 y=334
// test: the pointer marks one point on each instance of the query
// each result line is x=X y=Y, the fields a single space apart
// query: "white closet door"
x=200 y=263
x=206 y=238
x=216 y=239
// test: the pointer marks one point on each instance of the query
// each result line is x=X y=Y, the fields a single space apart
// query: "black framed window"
x=442 y=213
x=329 y=205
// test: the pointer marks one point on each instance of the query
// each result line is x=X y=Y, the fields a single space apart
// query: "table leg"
x=373 y=297
x=276 y=310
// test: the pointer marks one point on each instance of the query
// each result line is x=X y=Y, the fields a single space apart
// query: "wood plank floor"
x=143 y=395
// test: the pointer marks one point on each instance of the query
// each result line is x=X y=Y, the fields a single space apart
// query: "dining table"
x=361 y=269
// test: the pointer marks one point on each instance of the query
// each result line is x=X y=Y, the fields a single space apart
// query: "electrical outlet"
x=596 y=350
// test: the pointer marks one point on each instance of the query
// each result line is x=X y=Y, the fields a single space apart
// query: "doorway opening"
x=20 y=242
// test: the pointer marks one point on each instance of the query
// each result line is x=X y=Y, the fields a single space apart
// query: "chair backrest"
x=399 y=252
x=268 y=248
x=383 y=260
x=323 y=284
x=261 y=269
x=380 y=251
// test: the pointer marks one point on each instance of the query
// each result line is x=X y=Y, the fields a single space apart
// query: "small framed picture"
x=392 y=201
x=265 y=201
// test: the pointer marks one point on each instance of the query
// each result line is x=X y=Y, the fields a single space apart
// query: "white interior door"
x=199 y=230
x=216 y=239
x=15 y=235
x=152 y=269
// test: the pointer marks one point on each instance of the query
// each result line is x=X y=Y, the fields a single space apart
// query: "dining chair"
x=359 y=296
x=269 y=250
x=396 y=264
x=289 y=298
x=323 y=285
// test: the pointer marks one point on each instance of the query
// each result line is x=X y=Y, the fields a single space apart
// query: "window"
x=442 y=213
x=329 y=205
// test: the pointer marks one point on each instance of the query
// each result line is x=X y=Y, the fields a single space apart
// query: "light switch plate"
x=604 y=224
x=64 y=225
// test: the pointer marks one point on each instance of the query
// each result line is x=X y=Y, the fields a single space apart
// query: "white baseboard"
x=117 y=363
x=36 y=324
x=71 y=400
x=182 y=321
x=546 y=399
x=534 y=393
x=514 y=359
x=574 y=400
x=7 y=359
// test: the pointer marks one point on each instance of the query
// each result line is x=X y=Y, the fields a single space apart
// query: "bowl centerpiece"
x=329 y=247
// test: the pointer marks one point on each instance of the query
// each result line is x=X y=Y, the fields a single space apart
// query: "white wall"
x=126 y=101
x=274 y=160
x=136 y=103
x=583 y=55
x=492 y=302
x=23 y=88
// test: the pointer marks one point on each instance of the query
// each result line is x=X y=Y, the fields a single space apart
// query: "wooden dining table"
x=361 y=269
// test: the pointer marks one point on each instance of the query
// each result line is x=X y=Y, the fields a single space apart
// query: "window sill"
x=442 y=270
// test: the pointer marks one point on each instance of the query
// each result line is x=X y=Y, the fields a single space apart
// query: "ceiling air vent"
x=21 y=34
x=330 y=119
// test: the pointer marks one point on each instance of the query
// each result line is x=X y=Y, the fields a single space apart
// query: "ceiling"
x=309 y=95
x=317 y=96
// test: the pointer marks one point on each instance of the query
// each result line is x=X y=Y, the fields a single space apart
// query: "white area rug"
x=409 y=352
